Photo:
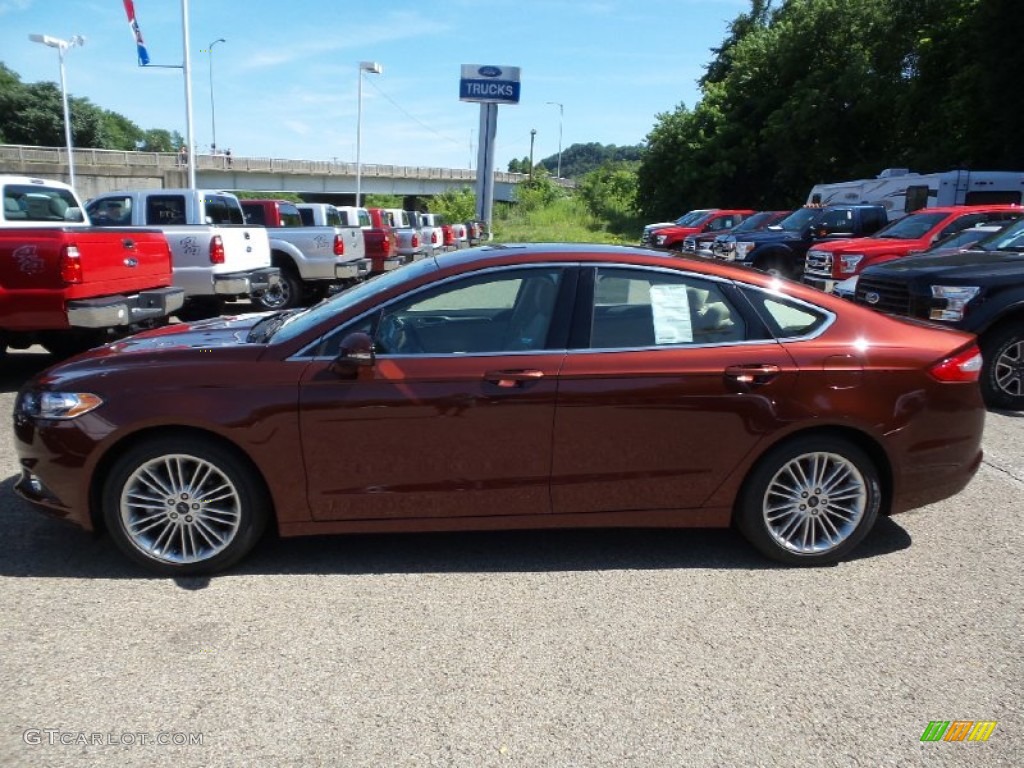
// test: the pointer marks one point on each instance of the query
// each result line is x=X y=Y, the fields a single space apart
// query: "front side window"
x=111 y=211
x=911 y=227
x=636 y=308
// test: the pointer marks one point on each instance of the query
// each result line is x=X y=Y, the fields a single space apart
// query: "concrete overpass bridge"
x=104 y=170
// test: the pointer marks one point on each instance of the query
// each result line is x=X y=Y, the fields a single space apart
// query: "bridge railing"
x=170 y=160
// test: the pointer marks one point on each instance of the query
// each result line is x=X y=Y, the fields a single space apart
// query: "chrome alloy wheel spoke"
x=180 y=509
x=814 y=503
x=1009 y=370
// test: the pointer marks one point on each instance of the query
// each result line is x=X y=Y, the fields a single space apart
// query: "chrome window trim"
x=302 y=354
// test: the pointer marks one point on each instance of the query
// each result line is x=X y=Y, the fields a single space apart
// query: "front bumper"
x=115 y=311
x=821 y=283
x=253 y=283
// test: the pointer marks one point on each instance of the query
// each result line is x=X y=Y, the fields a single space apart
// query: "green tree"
x=455 y=204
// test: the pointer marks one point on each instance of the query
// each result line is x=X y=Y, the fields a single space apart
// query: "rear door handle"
x=513 y=378
x=752 y=374
x=127 y=243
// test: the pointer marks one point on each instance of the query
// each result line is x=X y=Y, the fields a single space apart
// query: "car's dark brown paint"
x=553 y=438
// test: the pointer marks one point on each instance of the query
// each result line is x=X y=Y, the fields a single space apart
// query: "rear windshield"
x=32 y=203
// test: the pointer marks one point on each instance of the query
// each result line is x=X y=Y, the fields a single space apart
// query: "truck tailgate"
x=118 y=261
x=245 y=248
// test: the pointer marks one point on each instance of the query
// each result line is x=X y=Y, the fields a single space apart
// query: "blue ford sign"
x=489 y=84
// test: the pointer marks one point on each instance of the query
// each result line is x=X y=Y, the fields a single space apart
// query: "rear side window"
x=165 y=210
x=289 y=215
x=635 y=308
x=254 y=214
x=307 y=217
x=785 y=318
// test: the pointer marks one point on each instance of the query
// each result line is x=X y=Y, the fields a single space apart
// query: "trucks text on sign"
x=490 y=84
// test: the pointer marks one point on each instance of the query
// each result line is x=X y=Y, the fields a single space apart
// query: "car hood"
x=972 y=264
x=222 y=338
x=768 y=236
x=868 y=245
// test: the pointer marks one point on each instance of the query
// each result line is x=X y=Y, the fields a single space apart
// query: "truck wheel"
x=285 y=295
x=200 y=308
x=774 y=265
x=1002 y=374
x=182 y=506
x=68 y=344
x=810 y=501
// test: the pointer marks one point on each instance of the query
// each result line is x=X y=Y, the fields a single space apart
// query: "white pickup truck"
x=313 y=260
x=215 y=255
x=327 y=215
x=410 y=242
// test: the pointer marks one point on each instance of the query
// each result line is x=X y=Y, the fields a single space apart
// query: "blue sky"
x=285 y=80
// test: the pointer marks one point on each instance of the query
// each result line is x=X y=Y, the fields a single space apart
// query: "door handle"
x=128 y=243
x=513 y=378
x=752 y=374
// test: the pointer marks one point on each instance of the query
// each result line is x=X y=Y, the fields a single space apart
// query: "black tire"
x=774 y=265
x=776 y=506
x=188 y=533
x=1002 y=373
x=68 y=344
x=289 y=293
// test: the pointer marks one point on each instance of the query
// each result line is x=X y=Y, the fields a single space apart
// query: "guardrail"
x=170 y=160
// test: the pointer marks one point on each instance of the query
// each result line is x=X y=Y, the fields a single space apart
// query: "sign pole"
x=485 y=164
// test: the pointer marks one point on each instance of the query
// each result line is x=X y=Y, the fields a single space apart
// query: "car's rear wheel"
x=285 y=295
x=184 y=506
x=810 y=501
x=775 y=266
x=1002 y=377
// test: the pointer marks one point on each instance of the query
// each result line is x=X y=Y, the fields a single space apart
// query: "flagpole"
x=187 y=67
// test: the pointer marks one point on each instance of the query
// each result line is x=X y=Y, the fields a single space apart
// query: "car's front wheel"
x=184 y=506
x=810 y=501
x=1002 y=378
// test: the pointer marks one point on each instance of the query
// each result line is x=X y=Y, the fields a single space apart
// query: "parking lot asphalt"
x=569 y=648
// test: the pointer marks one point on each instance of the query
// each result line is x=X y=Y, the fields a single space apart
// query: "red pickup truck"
x=716 y=220
x=828 y=263
x=381 y=243
x=67 y=285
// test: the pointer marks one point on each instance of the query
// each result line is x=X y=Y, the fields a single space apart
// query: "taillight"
x=415 y=240
x=961 y=367
x=216 y=250
x=339 y=246
x=434 y=239
x=70 y=264
x=449 y=236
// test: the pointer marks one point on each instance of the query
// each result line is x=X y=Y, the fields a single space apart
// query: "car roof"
x=969 y=208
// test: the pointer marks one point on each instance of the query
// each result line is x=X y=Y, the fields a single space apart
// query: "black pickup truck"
x=780 y=249
x=980 y=290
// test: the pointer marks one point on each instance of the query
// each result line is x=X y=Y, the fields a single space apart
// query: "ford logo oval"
x=490 y=71
x=871 y=297
x=130 y=262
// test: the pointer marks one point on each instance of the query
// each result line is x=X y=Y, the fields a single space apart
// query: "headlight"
x=743 y=248
x=58 y=405
x=848 y=262
x=660 y=239
x=956 y=298
x=846 y=288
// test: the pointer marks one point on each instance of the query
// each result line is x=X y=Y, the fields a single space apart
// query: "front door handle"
x=513 y=378
x=752 y=374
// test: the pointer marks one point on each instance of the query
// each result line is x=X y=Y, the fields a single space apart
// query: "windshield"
x=912 y=227
x=798 y=221
x=1009 y=239
x=964 y=238
x=690 y=218
x=298 y=324
x=752 y=223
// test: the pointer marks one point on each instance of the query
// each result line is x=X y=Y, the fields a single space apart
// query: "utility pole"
x=533 y=135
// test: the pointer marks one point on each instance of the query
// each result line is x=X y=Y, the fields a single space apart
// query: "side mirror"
x=74 y=214
x=356 y=352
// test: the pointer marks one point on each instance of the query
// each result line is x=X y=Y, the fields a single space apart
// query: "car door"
x=666 y=392
x=454 y=416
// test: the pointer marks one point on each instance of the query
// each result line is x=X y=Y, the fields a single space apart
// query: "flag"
x=129 y=8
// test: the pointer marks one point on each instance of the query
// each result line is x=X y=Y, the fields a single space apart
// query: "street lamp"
x=561 y=108
x=63 y=46
x=533 y=135
x=374 y=69
x=213 y=111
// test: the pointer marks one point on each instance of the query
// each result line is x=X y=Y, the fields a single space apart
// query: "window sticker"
x=670 y=306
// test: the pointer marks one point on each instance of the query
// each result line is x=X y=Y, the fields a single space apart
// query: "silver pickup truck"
x=215 y=255
x=410 y=242
x=313 y=260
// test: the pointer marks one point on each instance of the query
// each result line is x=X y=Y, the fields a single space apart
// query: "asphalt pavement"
x=567 y=648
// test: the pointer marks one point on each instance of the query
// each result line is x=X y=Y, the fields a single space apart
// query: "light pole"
x=213 y=110
x=533 y=135
x=561 y=108
x=63 y=46
x=374 y=69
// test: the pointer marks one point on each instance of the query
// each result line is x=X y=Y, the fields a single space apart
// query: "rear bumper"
x=115 y=311
x=252 y=283
x=352 y=270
